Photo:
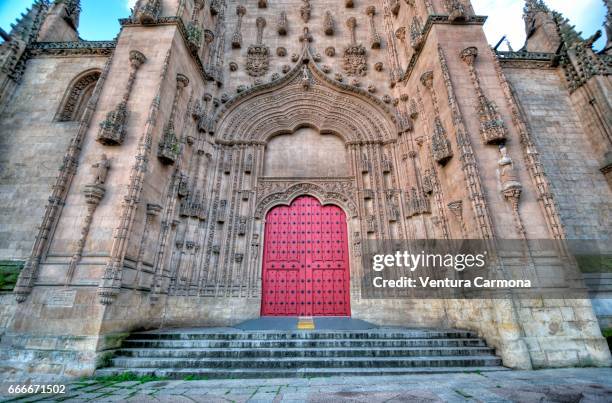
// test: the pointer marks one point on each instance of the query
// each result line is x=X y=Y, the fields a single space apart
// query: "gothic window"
x=75 y=101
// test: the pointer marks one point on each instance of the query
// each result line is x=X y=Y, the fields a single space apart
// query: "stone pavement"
x=551 y=385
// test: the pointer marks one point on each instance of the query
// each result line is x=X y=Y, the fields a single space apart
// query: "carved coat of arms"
x=355 y=62
x=258 y=60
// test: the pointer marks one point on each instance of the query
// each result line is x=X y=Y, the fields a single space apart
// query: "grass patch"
x=594 y=263
x=9 y=272
x=196 y=378
x=129 y=377
x=607 y=333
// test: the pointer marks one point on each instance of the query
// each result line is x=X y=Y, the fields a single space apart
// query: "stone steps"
x=233 y=354
x=246 y=373
x=301 y=352
x=310 y=335
x=323 y=343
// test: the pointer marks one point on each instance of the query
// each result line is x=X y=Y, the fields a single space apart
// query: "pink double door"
x=305 y=262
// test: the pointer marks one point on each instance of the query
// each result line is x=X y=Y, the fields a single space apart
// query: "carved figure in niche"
x=305 y=78
x=101 y=171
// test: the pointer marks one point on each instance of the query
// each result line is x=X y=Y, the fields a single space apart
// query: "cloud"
x=506 y=18
x=129 y=4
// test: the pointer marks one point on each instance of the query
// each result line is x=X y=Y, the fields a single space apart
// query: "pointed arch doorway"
x=306 y=263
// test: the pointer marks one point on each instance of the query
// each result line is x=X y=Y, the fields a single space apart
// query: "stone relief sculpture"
x=305 y=10
x=328 y=23
x=237 y=35
x=148 y=11
x=492 y=127
x=281 y=25
x=113 y=129
x=101 y=170
x=374 y=37
x=355 y=61
x=258 y=55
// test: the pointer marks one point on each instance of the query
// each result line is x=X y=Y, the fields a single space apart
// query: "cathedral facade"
x=222 y=160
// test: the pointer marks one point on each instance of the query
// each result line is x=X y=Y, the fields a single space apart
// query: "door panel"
x=305 y=262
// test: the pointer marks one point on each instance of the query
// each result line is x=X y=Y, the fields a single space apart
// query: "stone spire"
x=540 y=27
x=23 y=32
x=62 y=22
x=608 y=27
x=26 y=27
x=73 y=11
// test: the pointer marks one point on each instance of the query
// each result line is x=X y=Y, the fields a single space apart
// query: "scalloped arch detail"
x=281 y=106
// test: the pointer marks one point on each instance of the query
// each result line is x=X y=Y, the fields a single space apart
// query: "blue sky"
x=99 y=17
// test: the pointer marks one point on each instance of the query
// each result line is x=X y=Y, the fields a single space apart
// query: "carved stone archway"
x=339 y=193
x=304 y=96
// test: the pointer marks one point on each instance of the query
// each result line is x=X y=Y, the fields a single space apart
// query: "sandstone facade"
x=137 y=173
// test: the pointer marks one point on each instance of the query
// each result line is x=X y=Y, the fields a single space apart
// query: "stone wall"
x=580 y=189
x=33 y=146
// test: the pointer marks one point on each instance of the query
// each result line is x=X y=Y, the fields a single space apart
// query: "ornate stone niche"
x=79 y=92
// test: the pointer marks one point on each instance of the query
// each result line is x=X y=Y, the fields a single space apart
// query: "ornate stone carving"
x=148 y=12
x=76 y=99
x=328 y=23
x=281 y=25
x=305 y=10
x=222 y=211
x=330 y=51
x=262 y=3
x=258 y=55
x=456 y=208
x=456 y=10
x=237 y=36
x=272 y=193
x=441 y=148
x=378 y=66
x=216 y=6
x=349 y=3
x=394 y=6
x=101 y=170
x=355 y=61
x=492 y=127
x=417 y=203
x=416 y=33
x=511 y=187
x=281 y=51
x=440 y=144
x=374 y=37
x=169 y=147
x=305 y=37
x=113 y=128
x=469 y=165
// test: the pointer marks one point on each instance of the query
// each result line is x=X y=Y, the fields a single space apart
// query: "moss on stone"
x=594 y=263
x=9 y=272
